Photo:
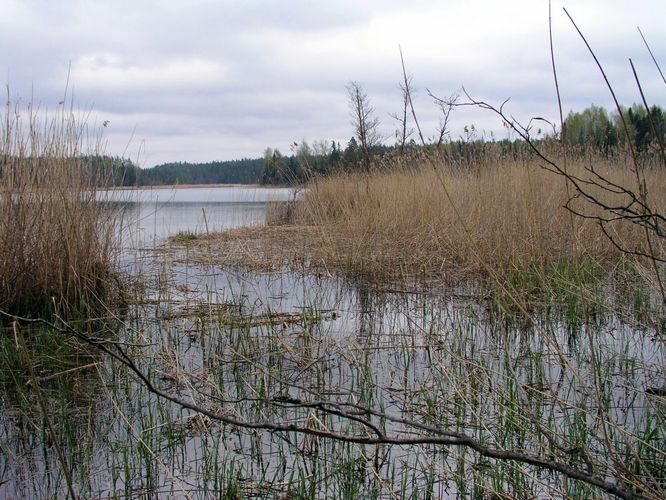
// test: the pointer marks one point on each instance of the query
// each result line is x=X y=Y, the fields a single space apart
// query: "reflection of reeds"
x=572 y=394
x=55 y=239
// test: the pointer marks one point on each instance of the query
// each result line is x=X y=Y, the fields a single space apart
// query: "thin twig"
x=652 y=55
x=557 y=86
x=653 y=126
x=609 y=86
x=409 y=96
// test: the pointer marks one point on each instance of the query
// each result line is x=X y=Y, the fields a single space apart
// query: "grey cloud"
x=207 y=80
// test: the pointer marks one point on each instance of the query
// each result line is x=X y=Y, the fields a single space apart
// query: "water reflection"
x=149 y=216
x=226 y=340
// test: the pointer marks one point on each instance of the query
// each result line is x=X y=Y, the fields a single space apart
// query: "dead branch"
x=634 y=210
x=408 y=91
x=373 y=435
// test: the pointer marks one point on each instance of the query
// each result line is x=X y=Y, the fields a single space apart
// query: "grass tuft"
x=56 y=239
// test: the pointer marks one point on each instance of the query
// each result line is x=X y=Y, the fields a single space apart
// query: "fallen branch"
x=432 y=435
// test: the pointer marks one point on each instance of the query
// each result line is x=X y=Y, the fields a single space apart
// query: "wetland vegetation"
x=374 y=346
x=480 y=320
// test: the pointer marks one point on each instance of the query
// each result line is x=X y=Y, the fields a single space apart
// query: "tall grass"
x=55 y=238
x=503 y=214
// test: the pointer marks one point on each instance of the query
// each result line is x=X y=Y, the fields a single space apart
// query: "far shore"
x=191 y=186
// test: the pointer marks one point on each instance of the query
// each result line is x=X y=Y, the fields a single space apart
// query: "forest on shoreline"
x=593 y=128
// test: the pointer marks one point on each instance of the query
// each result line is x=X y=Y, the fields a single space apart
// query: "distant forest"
x=123 y=172
x=592 y=128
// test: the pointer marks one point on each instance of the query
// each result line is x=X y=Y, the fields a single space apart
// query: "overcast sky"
x=211 y=80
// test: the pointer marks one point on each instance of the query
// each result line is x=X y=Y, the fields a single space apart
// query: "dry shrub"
x=503 y=213
x=55 y=238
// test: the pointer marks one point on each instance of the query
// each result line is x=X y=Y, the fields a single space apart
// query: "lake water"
x=246 y=344
x=150 y=216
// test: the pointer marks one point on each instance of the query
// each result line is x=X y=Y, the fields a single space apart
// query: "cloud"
x=209 y=80
x=101 y=72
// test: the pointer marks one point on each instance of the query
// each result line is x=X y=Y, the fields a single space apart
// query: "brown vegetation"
x=426 y=214
x=55 y=238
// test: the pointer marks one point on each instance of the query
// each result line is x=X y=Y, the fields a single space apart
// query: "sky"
x=205 y=80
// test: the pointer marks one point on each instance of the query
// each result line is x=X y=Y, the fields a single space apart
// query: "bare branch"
x=552 y=60
x=430 y=434
x=610 y=87
x=652 y=55
x=447 y=109
x=408 y=91
x=403 y=133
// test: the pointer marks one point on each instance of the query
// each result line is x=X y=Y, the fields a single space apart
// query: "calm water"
x=445 y=357
x=152 y=215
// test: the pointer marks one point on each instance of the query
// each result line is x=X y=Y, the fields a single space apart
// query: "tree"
x=351 y=153
x=365 y=122
x=305 y=157
x=403 y=133
x=646 y=129
x=335 y=156
x=591 y=127
x=274 y=167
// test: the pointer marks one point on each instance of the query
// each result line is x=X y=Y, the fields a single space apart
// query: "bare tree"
x=408 y=95
x=446 y=106
x=365 y=122
x=403 y=133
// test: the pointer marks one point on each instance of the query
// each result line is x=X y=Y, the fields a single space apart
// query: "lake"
x=573 y=382
x=151 y=215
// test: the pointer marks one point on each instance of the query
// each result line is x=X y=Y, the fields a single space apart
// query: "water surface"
x=150 y=216
x=236 y=342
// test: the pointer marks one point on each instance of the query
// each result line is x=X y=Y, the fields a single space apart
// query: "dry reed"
x=502 y=214
x=55 y=238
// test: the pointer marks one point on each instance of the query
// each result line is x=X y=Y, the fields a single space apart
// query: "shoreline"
x=193 y=186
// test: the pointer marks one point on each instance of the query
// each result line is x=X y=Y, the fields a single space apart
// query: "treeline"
x=307 y=162
x=245 y=171
x=123 y=172
x=316 y=160
x=595 y=127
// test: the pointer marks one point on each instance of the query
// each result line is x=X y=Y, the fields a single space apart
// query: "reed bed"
x=501 y=214
x=56 y=251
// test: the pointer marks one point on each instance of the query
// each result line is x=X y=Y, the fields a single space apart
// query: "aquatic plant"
x=56 y=251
